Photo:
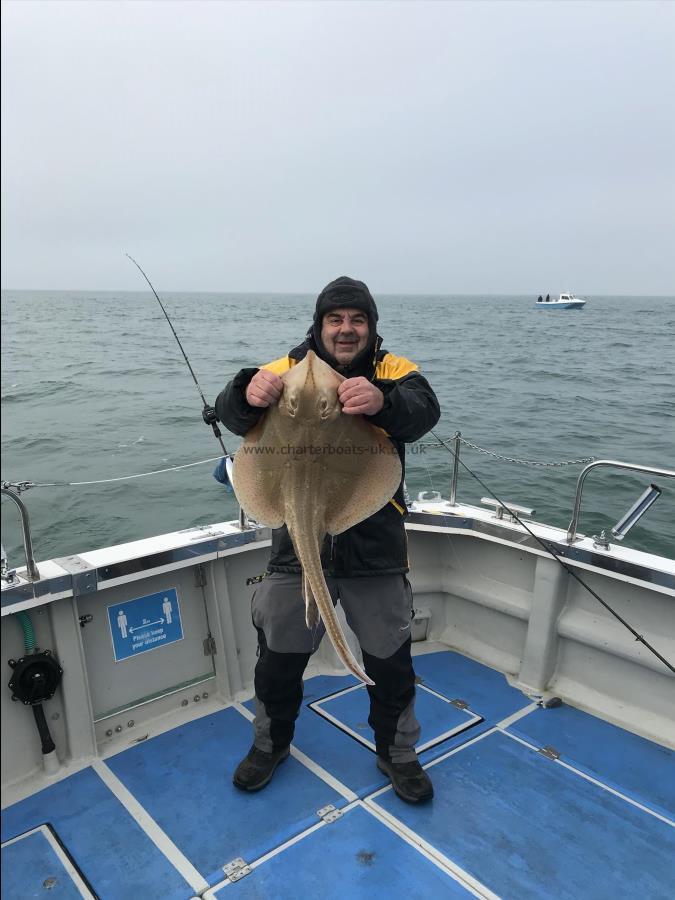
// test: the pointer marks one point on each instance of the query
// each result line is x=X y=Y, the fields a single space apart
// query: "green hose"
x=28 y=632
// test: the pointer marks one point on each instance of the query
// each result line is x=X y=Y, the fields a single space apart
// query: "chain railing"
x=512 y=459
x=457 y=440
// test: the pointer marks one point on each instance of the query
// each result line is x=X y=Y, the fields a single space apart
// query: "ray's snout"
x=310 y=391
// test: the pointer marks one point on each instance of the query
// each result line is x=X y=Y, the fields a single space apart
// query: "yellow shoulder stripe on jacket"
x=394 y=367
x=279 y=366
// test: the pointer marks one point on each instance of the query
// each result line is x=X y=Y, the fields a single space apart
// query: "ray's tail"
x=308 y=554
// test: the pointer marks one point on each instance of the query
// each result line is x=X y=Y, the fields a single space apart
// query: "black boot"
x=408 y=779
x=257 y=767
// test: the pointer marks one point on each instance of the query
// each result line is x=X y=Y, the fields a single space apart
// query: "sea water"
x=94 y=387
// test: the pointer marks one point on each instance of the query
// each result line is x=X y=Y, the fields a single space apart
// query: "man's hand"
x=359 y=396
x=264 y=388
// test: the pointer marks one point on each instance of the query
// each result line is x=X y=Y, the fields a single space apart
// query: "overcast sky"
x=455 y=147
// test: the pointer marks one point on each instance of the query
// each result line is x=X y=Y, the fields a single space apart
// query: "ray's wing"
x=258 y=473
x=362 y=477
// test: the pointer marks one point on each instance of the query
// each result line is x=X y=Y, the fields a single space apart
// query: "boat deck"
x=591 y=817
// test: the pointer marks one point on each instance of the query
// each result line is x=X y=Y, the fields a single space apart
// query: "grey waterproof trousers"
x=379 y=612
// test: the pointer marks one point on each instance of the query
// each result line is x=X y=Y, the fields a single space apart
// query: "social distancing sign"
x=145 y=623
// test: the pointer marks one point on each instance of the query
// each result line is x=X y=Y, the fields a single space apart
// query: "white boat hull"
x=556 y=304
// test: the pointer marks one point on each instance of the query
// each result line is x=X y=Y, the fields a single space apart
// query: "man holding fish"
x=323 y=464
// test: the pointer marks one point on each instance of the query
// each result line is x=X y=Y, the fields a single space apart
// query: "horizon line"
x=313 y=294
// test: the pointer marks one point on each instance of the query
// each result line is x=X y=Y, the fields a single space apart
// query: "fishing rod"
x=208 y=412
x=549 y=549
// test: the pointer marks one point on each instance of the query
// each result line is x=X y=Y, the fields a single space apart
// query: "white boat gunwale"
x=119 y=564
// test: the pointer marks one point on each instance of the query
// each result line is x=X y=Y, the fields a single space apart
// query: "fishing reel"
x=209 y=415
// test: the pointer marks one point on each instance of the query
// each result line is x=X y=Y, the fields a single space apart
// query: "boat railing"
x=457 y=440
x=31 y=567
x=638 y=509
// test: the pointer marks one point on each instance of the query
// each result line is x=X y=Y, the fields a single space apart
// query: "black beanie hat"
x=345 y=292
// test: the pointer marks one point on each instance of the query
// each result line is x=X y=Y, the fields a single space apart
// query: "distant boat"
x=564 y=301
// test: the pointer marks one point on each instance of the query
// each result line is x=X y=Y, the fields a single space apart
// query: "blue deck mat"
x=457 y=677
x=184 y=780
x=30 y=867
x=527 y=827
x=117 y=858
x=639 y=768
x=452 y=675
x=356 y=857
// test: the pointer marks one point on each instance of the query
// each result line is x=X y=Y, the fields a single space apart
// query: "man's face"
x=345 y=333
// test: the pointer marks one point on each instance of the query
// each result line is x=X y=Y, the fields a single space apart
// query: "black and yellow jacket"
x=376 y=546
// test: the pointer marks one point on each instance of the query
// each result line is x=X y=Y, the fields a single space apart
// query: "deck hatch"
x=440 y=717
x=530 y=829
x=357 y=857
x=633 y=765
x=36 y=862
x=184 y=777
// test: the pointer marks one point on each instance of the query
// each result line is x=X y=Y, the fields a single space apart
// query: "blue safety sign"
x=145 y=623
